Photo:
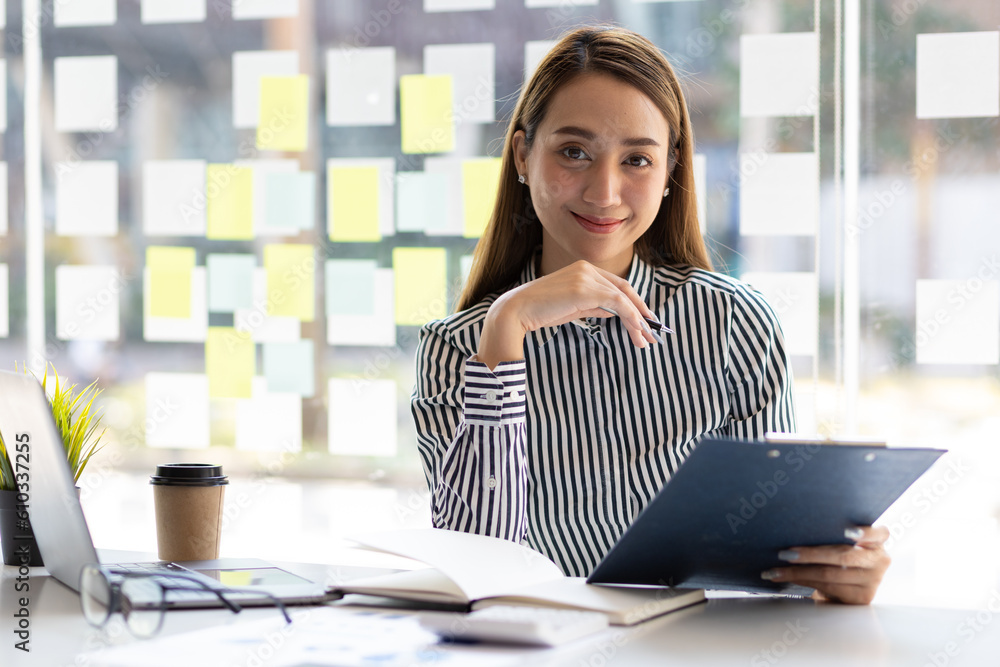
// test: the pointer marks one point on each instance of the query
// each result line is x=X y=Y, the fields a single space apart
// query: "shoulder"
x=741 y=298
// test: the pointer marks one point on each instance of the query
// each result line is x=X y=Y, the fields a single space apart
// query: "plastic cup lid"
x=189 y=474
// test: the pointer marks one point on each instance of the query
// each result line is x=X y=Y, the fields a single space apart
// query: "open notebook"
x=480 y=571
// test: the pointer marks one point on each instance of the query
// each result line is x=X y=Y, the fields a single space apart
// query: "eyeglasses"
x=144 y=597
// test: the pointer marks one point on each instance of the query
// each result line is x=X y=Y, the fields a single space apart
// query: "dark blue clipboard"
x=734 y=504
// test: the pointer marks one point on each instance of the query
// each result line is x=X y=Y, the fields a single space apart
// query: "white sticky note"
x=248 y=68
x=700 y=168
x=289 y=367
x=173 y=197
x=452 y=216
x=533 y=54
x=87 y=198
x=377 y=329
x=4 y=301
x=173 y=11
x=289 y=202
x=261 y=170
x=3 y=13
x=264 y=9
x=421 y=199
x=86 y=93
x=230 y=281
x=779 y=193
x=386 y=188
x=268 y=421
x=457 y=5
x=84 y=12
x=177 y=414
x=958 y=75
x=958 y=321
x=350 y=286
x=471 y=67
x=3 y=95
x=3 y=198
x=794 y=297
x=465 y=267
x=779 y=74
x=361 y=86
x=87 y=302
x=191 y=330
x=262 y=327
x=363 y=417
x=534 y=4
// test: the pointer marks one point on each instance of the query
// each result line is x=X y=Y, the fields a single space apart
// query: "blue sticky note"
x=350 y=286
x=291 y=199
x=230 y=282
x=288 y=367
x=421 y=202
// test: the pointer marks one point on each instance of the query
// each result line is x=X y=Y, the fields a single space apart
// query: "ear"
x=521 y=152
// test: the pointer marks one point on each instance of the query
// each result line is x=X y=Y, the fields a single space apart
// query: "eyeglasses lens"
x=95 y=596
x=143 y=606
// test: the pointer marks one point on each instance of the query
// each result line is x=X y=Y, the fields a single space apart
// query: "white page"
x=193 y=329
x=958 y=321
x=779 y=74
x=173 y=11
x=533 y=54
x=3 y=198
x=87 y=198
x=958 y=75
x=173 y=197
x=363 y=417
x=453 y=216
x=248 y=68
x=87 y=302
x=4 y=301
x=177 y=413
x=361 y=86
x=471 y=67
x=481 y=566
x=377 y=329
x=779 y=193
x=794 y=297
x=457 y=5
x=86 y=93
x=268 y=421
x=84 y=12
x=264 y=9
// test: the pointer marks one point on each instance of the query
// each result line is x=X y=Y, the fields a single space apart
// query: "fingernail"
x=788 y=555
x=770 y=575
x=657 y=337
x=854 y=533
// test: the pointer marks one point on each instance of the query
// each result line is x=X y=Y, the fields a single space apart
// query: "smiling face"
x=597 y=170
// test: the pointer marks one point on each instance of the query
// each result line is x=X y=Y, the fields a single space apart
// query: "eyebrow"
x=590 y=136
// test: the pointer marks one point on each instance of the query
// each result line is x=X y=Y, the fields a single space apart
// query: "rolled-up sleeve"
x=470 y=424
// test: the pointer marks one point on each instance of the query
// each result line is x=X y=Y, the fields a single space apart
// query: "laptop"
x=61 y=530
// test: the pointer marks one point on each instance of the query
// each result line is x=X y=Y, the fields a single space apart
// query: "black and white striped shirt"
x=564 y=448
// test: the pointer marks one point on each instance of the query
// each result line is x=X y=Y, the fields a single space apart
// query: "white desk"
x=755 y=631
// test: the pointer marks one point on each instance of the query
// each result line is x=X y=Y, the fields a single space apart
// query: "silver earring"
x=666 y=192
x=520 y=178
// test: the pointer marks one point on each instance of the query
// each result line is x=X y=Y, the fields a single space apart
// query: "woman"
x=547 y=410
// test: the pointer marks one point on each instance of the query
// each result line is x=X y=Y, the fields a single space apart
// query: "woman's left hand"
x=839 y=573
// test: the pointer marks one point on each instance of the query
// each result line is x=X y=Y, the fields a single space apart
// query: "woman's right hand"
x=576 y=291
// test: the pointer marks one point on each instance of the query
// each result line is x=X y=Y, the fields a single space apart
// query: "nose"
x=603 y=187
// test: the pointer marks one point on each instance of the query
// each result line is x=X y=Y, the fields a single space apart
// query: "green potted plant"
x=77 y=421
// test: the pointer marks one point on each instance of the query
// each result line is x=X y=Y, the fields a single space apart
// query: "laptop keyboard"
x=165 y=570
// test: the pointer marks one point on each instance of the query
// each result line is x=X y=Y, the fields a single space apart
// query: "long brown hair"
x=514 y=232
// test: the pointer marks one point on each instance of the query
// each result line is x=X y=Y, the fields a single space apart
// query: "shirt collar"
x=640 y=277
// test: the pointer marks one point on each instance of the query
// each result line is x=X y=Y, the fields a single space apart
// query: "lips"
x=598 y=225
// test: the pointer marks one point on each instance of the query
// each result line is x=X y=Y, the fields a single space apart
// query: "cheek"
x=554 y=185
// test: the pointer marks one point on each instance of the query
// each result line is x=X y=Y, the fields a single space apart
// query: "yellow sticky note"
x=425 y=104
x=353 y=211
x=283 y=124
x=230 y=362
x=170 y=280
x=480 y=179
x=229 y=192
x=421 y=284
x=291 y=280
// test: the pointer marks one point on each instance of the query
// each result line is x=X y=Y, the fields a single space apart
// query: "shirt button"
x=491 y=396
x=491 y=482
x=515 y=394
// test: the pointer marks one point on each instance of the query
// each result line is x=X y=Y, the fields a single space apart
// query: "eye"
x=574 y=153
x=638 y=161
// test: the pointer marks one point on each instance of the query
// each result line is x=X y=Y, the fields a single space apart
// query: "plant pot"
x=16 y=537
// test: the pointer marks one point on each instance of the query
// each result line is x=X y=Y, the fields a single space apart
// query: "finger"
x=867 y=536
x=823 y=574
x=840 y=555
x=626 y=288
x=844 y=593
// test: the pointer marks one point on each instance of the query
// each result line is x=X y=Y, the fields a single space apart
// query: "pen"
x=655 y=325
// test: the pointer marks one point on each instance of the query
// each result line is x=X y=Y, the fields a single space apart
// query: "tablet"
x=734 y=504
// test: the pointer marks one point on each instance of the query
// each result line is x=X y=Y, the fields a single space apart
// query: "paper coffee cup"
x=188 y=502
